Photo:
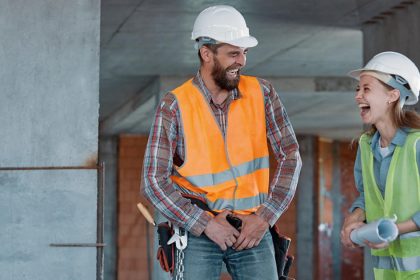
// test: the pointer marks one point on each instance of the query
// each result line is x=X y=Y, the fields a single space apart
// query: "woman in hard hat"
x=387 y=164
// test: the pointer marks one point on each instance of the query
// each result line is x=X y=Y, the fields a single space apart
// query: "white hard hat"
x=223 y=24
x=401 y=71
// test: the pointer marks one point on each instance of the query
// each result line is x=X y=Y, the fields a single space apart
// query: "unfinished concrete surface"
x=40 y=208
x=49 y=86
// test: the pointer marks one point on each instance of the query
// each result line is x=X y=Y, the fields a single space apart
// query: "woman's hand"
x=352 y=222
x=376 y=245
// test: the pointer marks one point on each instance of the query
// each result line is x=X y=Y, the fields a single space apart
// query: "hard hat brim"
x=244 y=42
x=356 y=73
x=384 y=77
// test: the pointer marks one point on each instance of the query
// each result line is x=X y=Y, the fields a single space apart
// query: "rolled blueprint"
x=379 y=231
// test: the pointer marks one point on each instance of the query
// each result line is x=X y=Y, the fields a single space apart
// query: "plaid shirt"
x=166 y=148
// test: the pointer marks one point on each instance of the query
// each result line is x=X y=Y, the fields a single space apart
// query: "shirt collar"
x=400 y=136
x=198 y=80
x=398 y=140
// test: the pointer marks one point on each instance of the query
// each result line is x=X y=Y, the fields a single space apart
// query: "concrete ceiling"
x=298 y=40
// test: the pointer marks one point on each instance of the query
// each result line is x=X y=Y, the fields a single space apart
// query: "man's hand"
x=221 y=232
x=352 y=222
x=252 y=231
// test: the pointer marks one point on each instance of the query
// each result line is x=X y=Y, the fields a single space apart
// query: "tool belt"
x=166 y=252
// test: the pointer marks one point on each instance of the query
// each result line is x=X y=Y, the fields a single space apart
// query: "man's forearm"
x=173 y=206
x=283 y=189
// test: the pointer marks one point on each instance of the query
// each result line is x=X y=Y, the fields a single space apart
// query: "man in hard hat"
x=209 y=139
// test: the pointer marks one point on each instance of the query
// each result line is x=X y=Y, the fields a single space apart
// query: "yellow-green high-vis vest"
x=401 y=260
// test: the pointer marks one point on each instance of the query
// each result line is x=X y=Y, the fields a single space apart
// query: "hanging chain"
x=179 y=265
x=180 y=238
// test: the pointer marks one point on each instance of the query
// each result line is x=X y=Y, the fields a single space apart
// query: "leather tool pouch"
x=281 y=247
x=166 y=253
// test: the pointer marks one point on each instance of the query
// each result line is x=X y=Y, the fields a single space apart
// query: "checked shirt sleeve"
x=157 y=186
x=286 y=150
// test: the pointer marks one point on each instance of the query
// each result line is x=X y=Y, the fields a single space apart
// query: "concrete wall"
x=49 y=117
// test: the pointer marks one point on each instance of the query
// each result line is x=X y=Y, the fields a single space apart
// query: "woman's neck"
x=387 y=133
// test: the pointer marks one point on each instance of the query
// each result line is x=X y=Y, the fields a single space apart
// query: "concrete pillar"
x=49 y=53
x=108 y=154
x=306 y=209
x=336 y=198
x=344 y=193
x=394 y=30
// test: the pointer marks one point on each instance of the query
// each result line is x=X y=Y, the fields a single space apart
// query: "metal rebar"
x=97 y=167
x=100 y=222
x=98 y=245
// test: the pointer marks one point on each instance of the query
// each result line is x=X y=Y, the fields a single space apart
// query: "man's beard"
x=220 y=76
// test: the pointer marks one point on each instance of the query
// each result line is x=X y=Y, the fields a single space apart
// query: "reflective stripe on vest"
x=243 y=169
x=409 y=235
x=398 y=264
x=230 y=172
x=241 y=204
x=402 y=197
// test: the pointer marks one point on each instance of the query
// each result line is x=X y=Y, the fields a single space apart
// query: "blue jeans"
x=203 y=260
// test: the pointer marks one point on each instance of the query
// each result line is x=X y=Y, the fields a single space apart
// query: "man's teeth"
x=363 y=106
x=233 y=72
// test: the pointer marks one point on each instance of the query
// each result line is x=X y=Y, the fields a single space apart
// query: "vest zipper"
x=228 y=159
x=203 y=89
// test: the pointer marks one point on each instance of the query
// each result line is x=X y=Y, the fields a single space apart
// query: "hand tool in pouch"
x=170 y=236
x=165 y=253
x=281 y=247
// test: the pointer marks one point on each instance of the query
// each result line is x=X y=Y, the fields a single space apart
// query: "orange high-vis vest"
x=232 y=172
